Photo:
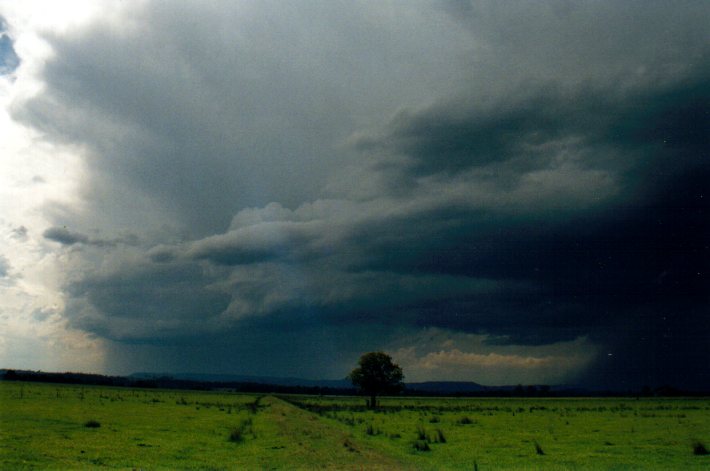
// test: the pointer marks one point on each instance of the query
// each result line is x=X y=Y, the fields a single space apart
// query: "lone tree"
x=377 y=375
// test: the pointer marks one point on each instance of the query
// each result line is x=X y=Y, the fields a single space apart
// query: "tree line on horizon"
x=167 y=382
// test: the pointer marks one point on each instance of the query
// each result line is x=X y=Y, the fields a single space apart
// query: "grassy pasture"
x=515 y=433
x=47 y=426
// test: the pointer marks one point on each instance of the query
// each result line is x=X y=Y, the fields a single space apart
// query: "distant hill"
x=251 y=384
x=449 y=387
x=224 y=378
x=429 y=387
x=276 y=385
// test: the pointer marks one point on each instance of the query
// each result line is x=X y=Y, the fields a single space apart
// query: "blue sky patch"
x=9 y=61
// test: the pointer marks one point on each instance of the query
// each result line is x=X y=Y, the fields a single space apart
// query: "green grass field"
x=46 y=426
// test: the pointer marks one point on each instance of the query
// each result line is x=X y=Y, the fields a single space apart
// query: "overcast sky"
x=500 y=192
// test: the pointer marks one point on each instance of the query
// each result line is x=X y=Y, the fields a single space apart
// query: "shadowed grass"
x=699 y=449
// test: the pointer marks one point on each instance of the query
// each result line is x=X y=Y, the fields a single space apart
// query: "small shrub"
x=236 y=435
x=538 y=449
x=465 y=421
x=699 y=449
x=440 y=436
x=370 y=430
x=92 y=424
x=421 y=445
x=434 y=420
x=421 y=433
x=349 y=446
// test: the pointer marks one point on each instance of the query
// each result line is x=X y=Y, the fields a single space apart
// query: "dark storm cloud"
x=261 y=243
x=616 y=43
x=609 y=268
x=652 y=143
x=543 y=180
x=633 y=275
x=65 y=236
x=606 y=128
x=447 y=140
x=636 y=262
x=639 y=256
x=146 y=302
x=200 y=110
x=187 y=129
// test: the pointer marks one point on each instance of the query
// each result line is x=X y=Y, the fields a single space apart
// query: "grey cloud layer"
x=541 y=177
x=200 y=110
x=64 y=236
x=146 y=302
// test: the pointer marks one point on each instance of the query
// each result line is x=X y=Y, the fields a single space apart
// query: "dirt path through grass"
x=299 y=439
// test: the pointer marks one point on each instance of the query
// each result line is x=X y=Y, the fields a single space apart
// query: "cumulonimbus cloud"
x=302 y=173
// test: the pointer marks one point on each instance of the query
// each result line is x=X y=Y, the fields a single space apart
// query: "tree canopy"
x=377 y=374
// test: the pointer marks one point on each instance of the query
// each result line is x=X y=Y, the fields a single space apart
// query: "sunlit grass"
x=46 y=426
x=542 y=433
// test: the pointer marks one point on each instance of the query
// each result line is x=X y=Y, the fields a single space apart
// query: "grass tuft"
x=699 y=449
x=253 y=407
x=238 y=434
x=421 y=445
x=440 y=437
x=350 y=447
x=538 y=449
x=370 y=430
